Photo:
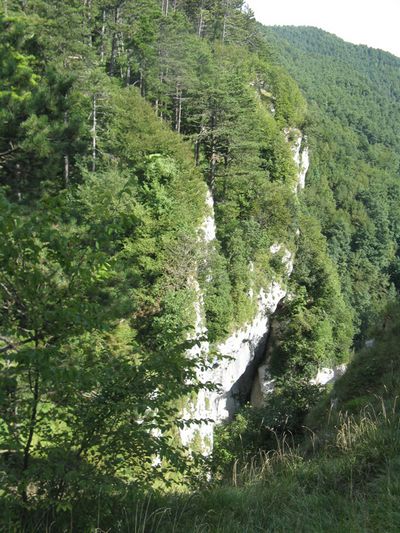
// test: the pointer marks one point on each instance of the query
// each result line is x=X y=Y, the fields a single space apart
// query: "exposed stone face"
x=287 y=258
x=301 y=156
x=265 y=384
x=242 y=348
x=328 y=375
x=209 y=228
x=304 y=165
x=236 y=353
x=237 y=367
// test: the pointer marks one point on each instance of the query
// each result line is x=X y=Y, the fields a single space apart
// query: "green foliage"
x=316 y=323
x=208 y=84
x=289 y=102
x=42 y=130
x=258 y=431
x=217 y=297
x=17 y=69
x=87 y=387
x=353 y=185
x=101 y=213
x=351 y=484
x=372 y=374
x=342 y=476
x=95 y=308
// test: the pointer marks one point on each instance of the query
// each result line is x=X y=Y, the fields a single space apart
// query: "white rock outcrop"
x=265 y=384
x=287 y=258
x=234 y=354
x=208 y=227
x=238 y=351
x=301 y=156
x=325 y=376
x=304 y=165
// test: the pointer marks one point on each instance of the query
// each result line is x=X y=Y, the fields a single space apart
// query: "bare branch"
x=13 y=345
x=9 y=151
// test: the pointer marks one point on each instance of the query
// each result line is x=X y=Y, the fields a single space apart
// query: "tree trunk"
x=94 y=133
x=113 y=54
x=10 y=394
x=128 y=69
x=34 y=386
x=66 y=171
x=224 y=27
x=66 y=158
x=114 y=43
x=201 y=21
x=160 y=101
x=103 y=32
x=214 y=156
x=197 y=152
x=178 y=108
x=33 y=420
x=88 y=5
x=141 y=83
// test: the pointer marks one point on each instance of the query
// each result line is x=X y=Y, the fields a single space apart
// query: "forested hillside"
x=353 y=185
x=331 y=464
x=130 y=130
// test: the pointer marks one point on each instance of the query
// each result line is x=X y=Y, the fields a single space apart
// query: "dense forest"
x=353 y=185
x=124 y=126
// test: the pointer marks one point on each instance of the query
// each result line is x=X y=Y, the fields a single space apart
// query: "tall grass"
x=349 y=482
x=348 y=485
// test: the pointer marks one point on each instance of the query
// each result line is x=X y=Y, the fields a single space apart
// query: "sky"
x=375 y=23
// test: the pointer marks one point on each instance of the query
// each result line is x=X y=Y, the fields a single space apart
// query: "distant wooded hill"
x=353 y=94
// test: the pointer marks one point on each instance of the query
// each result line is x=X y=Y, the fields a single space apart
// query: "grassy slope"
x=344 y=477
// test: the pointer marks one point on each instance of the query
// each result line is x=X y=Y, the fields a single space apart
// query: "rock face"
x=301 y=157
x=236 y=367
x=263 y=383
x=208 y=228
x=243 y=347
x=328 y=375
x=304 y=165
x=235 y=355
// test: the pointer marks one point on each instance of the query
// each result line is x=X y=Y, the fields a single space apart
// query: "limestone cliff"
x=235 y=365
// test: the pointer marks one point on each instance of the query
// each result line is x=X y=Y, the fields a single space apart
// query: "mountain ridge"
x=154 y=211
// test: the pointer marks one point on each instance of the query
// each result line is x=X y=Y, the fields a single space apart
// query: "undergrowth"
x=343 y=475
x=349 y=482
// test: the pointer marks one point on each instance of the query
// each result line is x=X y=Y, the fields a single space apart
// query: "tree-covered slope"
x=116 y=118
x=342 y=476
x=353 y=94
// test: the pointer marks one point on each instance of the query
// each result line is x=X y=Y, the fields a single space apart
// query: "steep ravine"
x=236 y=367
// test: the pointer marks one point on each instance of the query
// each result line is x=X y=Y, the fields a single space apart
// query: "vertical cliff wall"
x=234 y=366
